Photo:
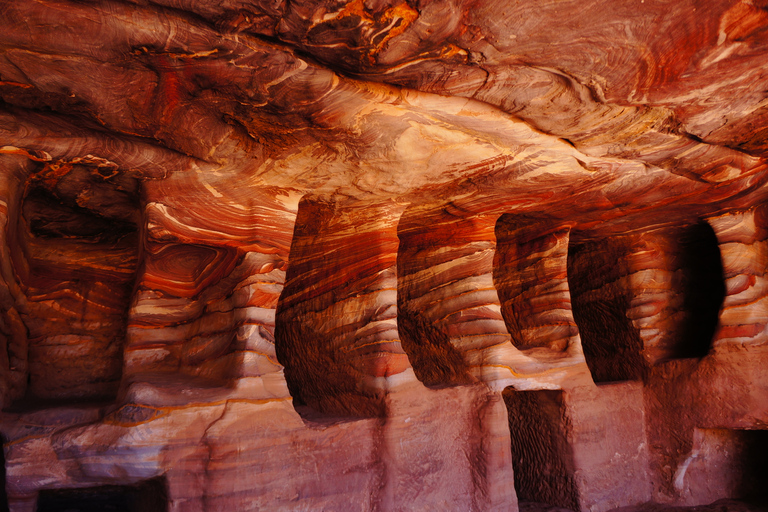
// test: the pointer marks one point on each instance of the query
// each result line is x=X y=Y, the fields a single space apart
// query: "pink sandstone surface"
x=384 y=255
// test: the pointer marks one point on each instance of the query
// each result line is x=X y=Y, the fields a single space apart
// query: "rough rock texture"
x=383 y=254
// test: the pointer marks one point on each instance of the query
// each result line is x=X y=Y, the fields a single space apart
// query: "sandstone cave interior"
x=384 y=255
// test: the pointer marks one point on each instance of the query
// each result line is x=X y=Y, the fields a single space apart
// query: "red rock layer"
x=644 y=298
x=569 y=445
x=14 y=355
x=205 y=300
x=449 y=309
x=200 y=449
x=487 y=186
x=742 y=237
x=532 y=278
x=338 y=333
x=75 y=254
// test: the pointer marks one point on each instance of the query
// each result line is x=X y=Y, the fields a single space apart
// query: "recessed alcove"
x=148 y=496
x=645 y=297
x=703 y=286
x=76 y=254
x=541 y=456
x=725 y=463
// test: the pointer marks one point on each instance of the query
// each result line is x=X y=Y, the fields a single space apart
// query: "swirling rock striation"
x=383 y=255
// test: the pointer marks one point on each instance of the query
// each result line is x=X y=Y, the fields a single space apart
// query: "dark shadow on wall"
x=148 y=496
x=753 y=488
x=729 y=464
x=435 y=360
x=688 y=288
x=703 y=289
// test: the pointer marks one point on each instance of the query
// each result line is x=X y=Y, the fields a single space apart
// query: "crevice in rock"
x=147 y=496
x=541 y=456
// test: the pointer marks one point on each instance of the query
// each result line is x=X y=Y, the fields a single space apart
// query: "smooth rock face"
x=383 y=255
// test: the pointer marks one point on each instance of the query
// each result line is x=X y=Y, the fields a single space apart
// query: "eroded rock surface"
x=383 y=255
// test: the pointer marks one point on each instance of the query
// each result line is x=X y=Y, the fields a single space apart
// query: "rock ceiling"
x=411 y=102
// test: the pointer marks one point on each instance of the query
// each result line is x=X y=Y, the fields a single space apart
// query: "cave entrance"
x=76 y=250
x=726 y=463
x=148 y=496
x=542 y=458
x=703 y=290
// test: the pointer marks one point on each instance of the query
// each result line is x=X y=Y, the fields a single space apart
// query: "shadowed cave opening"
x=77 y=254
x=542 y=458
x=703 y=289
x=727 y=463
x=148 y=496
x=680 y=272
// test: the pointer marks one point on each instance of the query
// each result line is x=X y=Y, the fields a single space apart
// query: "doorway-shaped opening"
x=76 y=252
x=726 y=463
x=148 y=496
x=645 y=297
x=542 y=458
x=703 y=287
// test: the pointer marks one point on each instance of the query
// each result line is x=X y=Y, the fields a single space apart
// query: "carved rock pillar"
x=204 y=306
x=337 y=319
x=743 y=242
x=450 y=313
x=532 y=278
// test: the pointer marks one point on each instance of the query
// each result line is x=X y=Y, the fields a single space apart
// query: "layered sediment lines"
x=204 y=305
x=741 y=237
x=448 y=306
x=338 y=315
x=298 y=255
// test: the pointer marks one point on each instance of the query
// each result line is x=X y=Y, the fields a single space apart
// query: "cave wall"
x=382 y=255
